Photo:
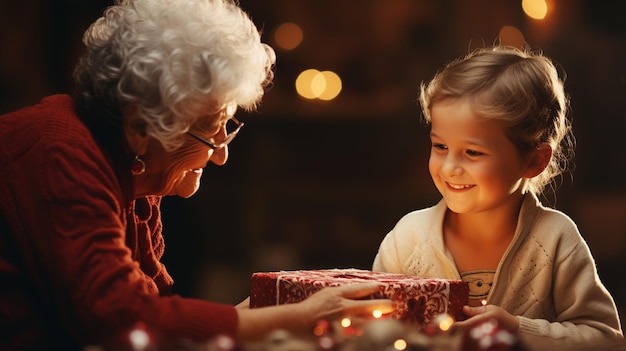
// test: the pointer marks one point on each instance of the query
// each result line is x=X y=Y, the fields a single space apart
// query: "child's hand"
x=477 y=314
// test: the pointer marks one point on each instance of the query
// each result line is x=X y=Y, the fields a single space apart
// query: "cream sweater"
x=547 y=277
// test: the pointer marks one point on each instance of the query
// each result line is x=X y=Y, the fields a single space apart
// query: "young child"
x=499 y=135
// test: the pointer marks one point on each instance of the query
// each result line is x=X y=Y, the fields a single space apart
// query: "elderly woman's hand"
x=345 y=300
x=328 y=303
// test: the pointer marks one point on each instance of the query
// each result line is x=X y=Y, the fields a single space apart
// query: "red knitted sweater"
x=79 y=265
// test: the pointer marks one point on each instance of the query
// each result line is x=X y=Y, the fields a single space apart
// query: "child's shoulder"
x=543 y=219
x=424 y=217
x=553 y=217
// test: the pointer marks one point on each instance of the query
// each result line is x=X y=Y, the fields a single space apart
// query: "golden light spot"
x=313 y=84
x=400 y=344
x=332 y=86
x=318 y=84
x=511 y=36
x=304 y=83
x=288 y=36
x=446 y=323
x=537 y=9
x=139 y=339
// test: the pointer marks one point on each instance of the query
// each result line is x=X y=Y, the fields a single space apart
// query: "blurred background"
x=325 y=168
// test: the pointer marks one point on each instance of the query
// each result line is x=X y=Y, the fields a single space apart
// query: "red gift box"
x=418 y=300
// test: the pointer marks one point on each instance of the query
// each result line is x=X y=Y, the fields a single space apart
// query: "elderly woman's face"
x=178 y=172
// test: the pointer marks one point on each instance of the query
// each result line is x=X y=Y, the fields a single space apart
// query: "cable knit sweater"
x=547 y=277
x=79 y=260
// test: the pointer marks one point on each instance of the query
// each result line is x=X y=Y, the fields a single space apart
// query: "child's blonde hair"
x=521 y=89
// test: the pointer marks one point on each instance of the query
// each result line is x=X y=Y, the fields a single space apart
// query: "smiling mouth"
x=459 y=186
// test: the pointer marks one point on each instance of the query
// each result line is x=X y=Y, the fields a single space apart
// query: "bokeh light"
x=139 y=339
x=537 y=9
x=446 y=323
x=400 y=344
x=318 y=84
x=332 y=85
x=288 y=36
x=313 y=84
x=224 y=342
x=511 y=36
x=303 y=83
x=321 y=327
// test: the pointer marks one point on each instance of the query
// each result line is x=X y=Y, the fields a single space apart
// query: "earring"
x=138 y=166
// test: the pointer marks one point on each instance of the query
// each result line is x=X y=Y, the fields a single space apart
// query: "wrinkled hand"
x=328 y=303
x=344 y=300
x=478 y=314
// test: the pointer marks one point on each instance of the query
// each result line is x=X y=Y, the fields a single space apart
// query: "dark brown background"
x=318 y=184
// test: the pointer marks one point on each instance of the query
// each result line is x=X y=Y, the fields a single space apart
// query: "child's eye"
x=439 y=146
x=473 y=153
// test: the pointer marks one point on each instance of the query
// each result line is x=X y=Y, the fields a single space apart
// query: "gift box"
x=417 y=300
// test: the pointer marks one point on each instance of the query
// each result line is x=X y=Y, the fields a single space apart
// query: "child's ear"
x=538 y=160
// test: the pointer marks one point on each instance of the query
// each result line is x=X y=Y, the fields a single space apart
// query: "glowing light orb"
x=304 y=83
x=321 y=327
x=400 y=344
x=332 y=86
x=313 y=84
x=288 y=36
x=326 y=342
x=139 y=339
x=224 y=342
x=511 y=36
x=537 y=9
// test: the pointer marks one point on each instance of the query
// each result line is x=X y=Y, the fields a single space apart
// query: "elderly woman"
x=81 y=181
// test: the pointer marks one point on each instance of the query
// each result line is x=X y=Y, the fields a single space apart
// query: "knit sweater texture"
x=547 y=276
x=79 y=260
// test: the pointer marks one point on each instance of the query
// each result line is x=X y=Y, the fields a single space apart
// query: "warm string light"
x=326 y=342
x=377 y=314
x=139 y=339
x=321 y=327
x=392 y=335
x=440 y=323
x=348 y=330
x=400 y=344
x=484 y=303
x=446 y=323
x=349 y=327
x=223 y=343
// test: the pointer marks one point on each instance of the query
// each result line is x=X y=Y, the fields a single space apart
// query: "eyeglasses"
x=232 y=128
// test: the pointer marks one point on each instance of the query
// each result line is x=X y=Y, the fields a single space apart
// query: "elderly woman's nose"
x=219 y=156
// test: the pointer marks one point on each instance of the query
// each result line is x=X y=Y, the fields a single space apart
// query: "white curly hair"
x=176 y=60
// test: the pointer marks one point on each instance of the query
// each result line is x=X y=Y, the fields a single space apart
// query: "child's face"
x=473 y=164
